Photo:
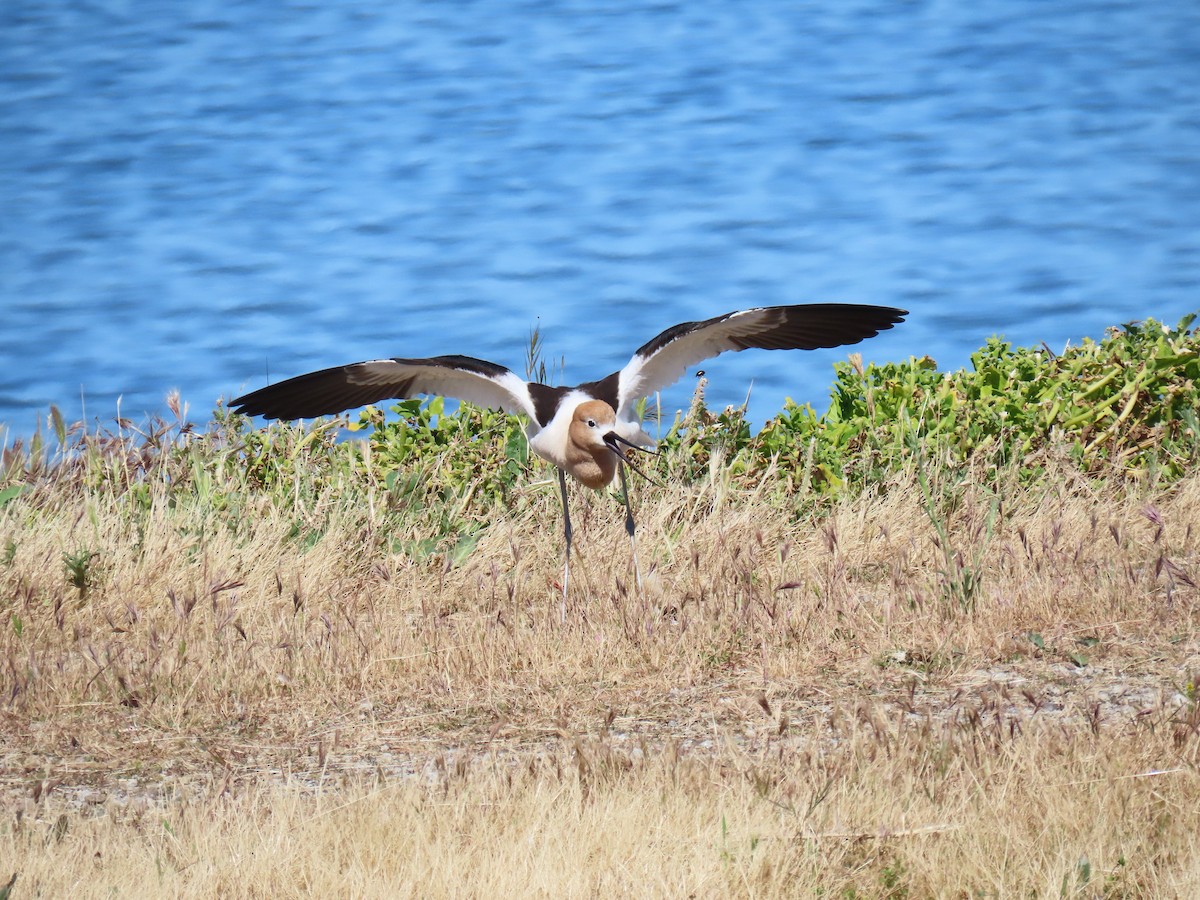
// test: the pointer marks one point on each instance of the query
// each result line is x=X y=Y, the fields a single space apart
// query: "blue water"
x=206 y=195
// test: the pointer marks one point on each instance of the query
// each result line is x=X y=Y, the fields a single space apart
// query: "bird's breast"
x=592 y=469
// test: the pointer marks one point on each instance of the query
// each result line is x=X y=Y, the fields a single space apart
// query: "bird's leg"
x=629 y=524
x=562 y=483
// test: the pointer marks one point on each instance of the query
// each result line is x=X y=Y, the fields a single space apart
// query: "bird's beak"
x=612 y=440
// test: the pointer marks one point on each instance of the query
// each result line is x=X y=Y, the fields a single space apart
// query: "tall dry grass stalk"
x=948 y=686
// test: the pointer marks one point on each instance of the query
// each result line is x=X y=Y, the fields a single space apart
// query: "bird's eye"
x=591 y=423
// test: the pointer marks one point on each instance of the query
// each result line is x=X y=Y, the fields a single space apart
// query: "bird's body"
x=577 y=429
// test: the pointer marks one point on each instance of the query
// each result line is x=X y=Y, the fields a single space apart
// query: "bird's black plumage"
x=656 y=364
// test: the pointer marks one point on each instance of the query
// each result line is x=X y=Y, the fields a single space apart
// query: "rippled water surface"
x=206 y=196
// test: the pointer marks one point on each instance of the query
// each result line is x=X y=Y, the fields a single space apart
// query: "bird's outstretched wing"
x=331 y=391
x=663 y=360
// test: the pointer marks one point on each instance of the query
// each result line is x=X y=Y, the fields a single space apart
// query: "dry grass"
x=915 y=810
x=959 y=691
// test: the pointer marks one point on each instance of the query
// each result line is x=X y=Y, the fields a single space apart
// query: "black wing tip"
x=329 y=392
x=849 y=313
x=278 y=407
x=889 y=316
x=817 y=326
x=267 y=412
x=893 y=315
x=287 y=405
x=250 y=405
x=307 y=396
x=820 y=326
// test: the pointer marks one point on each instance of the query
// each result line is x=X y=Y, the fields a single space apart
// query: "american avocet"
x=578 y=429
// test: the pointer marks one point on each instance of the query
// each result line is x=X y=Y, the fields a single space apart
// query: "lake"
x=208 y=196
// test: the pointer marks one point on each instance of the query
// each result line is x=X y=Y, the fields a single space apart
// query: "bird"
x=583 y=430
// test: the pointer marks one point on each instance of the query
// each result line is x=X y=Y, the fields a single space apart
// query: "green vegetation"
x=1128 y=403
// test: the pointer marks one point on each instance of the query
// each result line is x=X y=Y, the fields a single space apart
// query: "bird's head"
x=591 y=424
x=591 y=456
x=593 y=437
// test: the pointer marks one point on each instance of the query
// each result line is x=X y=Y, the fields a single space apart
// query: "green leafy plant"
x=1126 y=403
x=79 y=569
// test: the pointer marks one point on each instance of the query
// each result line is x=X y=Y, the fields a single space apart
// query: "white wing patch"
x=505 y=391
x=644 y=375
